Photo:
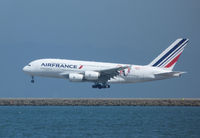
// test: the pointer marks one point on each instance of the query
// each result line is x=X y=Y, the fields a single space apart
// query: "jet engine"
x=91 y=75
x=75 y=77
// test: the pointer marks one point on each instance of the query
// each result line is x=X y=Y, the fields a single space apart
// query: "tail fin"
x=168 y=58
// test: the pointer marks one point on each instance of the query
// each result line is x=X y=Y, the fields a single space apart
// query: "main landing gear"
x=32 y=79
x=100 y=86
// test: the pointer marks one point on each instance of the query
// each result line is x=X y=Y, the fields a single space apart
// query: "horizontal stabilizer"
x=170 y=74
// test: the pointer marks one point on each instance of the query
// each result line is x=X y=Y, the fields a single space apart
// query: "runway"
x=99 y=101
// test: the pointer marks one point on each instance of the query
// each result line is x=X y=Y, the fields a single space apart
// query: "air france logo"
x=59 y=65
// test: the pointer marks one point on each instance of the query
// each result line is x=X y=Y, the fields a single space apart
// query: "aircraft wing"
x=107 y=74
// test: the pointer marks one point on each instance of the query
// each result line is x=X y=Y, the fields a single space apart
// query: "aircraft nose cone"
x=25 y=69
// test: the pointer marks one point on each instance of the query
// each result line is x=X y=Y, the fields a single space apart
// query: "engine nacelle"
x=74 y=77
x=91 y=75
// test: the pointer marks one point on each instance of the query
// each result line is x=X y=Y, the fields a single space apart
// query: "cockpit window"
x=29 y=64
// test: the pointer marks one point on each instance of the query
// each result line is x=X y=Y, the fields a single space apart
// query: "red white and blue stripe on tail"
x=168 y=58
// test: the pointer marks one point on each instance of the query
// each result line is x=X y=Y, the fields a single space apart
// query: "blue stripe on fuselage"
x=168 y=53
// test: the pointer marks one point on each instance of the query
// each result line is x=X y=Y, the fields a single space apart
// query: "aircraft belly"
x=49 y=74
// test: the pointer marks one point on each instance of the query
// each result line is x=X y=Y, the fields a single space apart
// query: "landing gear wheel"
x=94 y=86
x=105 y=85
x=100 y=86
x=32 y=80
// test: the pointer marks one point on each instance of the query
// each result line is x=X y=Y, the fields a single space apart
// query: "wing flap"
x=113 y=70
x=107 y=74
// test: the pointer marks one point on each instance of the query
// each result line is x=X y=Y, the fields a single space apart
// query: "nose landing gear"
x=32 y=79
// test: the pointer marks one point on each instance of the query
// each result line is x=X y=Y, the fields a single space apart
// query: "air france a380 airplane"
x=102 y=74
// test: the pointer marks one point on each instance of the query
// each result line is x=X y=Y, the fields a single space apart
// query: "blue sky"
x=120 y=31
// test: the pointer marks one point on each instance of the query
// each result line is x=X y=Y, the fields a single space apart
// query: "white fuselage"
x=102 y=73
x=61 y=68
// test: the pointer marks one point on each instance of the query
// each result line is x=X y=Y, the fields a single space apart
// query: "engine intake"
x=91 y=75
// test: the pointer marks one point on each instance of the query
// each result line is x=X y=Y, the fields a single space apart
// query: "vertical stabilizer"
x=168 y=58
